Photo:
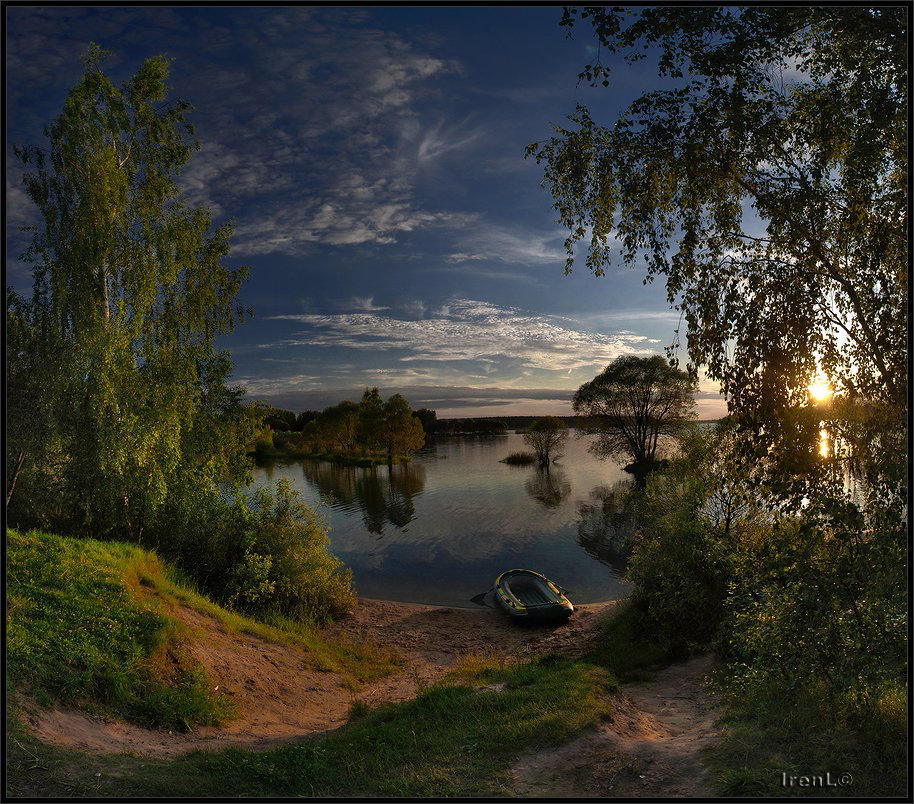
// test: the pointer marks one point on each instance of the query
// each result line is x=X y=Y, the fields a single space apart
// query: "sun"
x=820 y=389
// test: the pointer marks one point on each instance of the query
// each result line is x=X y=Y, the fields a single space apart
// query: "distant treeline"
x=287 y=420
x=280 y=420
x=496 y=424
x=368 y=431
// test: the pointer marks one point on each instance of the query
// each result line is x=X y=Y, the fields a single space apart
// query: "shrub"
x=263 y=554
x=679 y=570
x=519 y=459
x=292 y=570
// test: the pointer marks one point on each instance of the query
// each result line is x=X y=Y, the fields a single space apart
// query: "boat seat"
x=531 y=592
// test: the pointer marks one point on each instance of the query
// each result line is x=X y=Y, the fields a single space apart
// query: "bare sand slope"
x=282 y=698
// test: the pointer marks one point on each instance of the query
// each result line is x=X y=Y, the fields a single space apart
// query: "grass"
x=626 y=651
x=769 y=734
x=356 y=663
x=79 y=633
x=456 y=738
x=519 y=459
x=88 y=624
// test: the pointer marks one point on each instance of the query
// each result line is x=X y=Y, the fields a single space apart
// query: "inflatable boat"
x=527 y=596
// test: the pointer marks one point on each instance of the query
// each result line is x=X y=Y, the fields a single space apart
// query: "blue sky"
x=372 y=162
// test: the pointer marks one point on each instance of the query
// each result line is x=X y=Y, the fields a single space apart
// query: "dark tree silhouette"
x=546 y=437
x=633 y=404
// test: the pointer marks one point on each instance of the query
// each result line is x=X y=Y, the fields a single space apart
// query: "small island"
x=365 y=434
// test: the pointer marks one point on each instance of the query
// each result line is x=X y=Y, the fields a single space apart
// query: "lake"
x=439 y=529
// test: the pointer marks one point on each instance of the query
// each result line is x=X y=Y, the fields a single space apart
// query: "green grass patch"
x=78 y=633
x=88 y=625
x=771 y=741
x=627 y=649
x=456 y=738
x=519 y=459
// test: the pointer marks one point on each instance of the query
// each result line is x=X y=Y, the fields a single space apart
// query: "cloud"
x=314 y=122
x=333 y=159
x=441 y=139
x=366 y=304
x=469 y=331
x=516 y=246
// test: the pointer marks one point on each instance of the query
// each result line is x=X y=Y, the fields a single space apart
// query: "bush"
x=519 y=459
x=679 y=569
x=266 y=554
x=286 y=566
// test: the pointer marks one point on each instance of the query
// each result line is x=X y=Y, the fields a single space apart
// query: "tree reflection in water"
x=548 y=486
x=383 y=494
x=606 y=526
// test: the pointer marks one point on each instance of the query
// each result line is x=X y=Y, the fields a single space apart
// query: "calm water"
x=440 y=529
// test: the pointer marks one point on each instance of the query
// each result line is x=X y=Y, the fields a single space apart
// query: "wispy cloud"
x=335 y=160
x=441 y=139
x=487 y=241
x=469 y=331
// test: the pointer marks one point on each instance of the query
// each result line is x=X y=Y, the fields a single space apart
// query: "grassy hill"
x=91 y=624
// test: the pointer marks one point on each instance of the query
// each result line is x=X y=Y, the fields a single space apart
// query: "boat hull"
x=528 y=596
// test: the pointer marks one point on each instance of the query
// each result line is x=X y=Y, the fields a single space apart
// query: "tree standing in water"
x=633 y=404
x=546 y=437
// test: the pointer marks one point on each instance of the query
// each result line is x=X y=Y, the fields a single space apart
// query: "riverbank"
x=283 y=698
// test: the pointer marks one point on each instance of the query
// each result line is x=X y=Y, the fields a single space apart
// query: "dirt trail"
x=283 y=698
x=649 y=749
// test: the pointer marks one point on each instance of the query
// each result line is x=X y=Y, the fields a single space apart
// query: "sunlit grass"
x=79 y=634
x=456 y=738
x=93 y=624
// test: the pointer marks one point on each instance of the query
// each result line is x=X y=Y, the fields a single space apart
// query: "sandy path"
x=433 y=638
x=650 y=748
x=282 y=698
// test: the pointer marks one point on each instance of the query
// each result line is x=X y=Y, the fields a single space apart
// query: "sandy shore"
x=283 y=698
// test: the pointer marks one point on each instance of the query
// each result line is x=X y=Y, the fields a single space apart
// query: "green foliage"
x=79 y=631
x=692 y=523
x=266 y=554
x=113 y=355
x=794 y=118
x=798 y=113
x=355 y=432
x=287 y=540
x=402 y=432
x=786 y=595
x=630 y=648
x=633 y=405
x=768 y=734
x=428 y=418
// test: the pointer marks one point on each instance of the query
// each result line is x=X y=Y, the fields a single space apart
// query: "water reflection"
x=549 y=487
x=607 y=524
x=383 y=494
x=440 y=529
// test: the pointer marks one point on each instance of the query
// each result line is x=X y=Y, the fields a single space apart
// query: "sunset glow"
x=820 y=389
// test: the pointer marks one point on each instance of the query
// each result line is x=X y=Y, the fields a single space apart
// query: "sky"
x=372 y=163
